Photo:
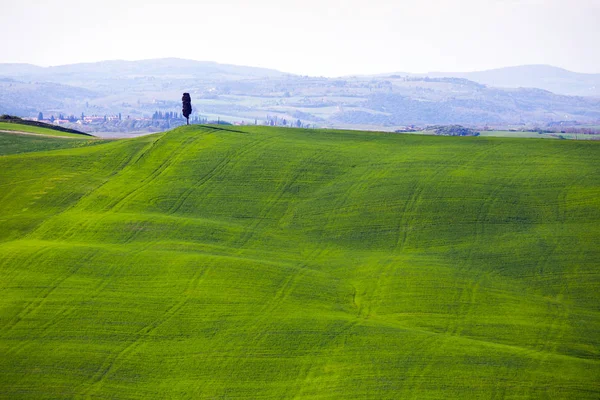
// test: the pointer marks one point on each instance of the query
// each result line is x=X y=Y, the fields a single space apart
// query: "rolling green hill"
x=41 y=129
x=14 y=143
x=281 y=263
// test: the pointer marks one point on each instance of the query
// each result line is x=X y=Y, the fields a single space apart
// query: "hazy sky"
x=311 y=37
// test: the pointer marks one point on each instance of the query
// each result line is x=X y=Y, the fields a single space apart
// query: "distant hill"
x=140 y=89
x=12 y=123
x=174 y=68
x=26 y=99
x=553 y=79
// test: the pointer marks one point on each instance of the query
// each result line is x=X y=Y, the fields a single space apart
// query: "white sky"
x=311 y=37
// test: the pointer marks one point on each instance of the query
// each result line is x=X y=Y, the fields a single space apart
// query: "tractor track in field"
x=112 y=364
x=65 y=312
x=416 y=195
x=309 y=374
x=37 y=253
x=286 y=288
x=466 y=299
x=274 y=200
x=226 y=161
x=404 y=225
x=159 y=171
x=343 y=201
x=132 y=158
x=452 y=270
x=558 y=310
x=41 y=298
x=131 y=161
x=421 y=365
x=559 y=323
x=173 y=158
x=123 y=167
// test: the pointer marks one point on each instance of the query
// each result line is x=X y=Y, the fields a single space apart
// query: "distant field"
x=265 y=263
x=11 y=143
x=9 y=126
x=505 y=134
x=512 y=134
x=540 y=136
x=525 y=135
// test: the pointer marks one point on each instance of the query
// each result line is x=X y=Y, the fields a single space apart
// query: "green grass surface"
x=517 y=134
x=11 y=143
x=9 y=126
x=529 y=135
x=282 y=263
x=503 y=134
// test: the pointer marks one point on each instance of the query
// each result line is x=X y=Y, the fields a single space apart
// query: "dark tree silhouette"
x=187 y=106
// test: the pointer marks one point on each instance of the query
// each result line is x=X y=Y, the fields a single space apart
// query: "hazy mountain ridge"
x=28 y=98
x=554 y=79
x=493 y=106
x=237 y=93
x=121 y=69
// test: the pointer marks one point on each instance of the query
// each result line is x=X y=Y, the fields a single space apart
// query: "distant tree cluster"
x=18 y=120
x=200 y=120
x=584 y=131
x=61 y=117
x=276 y=121
x=166 y=115
x=452 y=130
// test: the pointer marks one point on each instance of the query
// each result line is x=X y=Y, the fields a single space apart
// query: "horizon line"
x=299 y=74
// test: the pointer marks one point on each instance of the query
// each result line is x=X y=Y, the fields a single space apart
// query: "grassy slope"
x=288 y=263
x=10 y=126
x=518 y=134
x=536 y=135
x=14 y=144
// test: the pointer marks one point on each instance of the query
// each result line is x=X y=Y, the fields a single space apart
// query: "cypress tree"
x=187 y=106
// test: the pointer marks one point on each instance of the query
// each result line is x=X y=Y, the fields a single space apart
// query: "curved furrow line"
x=88 y=223
x=122 y=166
x=433 y=344
x=156 y=173
x=407 y=216
x=310 y=375
x=112 y=364
x=288 y=285
x=38 y=302
x=266 y=312
x=274 y=200
x=466 y=299
x=5 y=261
x=357 y=186
x=223 y=164
x=411 y=205
x=405 y=219
x=68 y=311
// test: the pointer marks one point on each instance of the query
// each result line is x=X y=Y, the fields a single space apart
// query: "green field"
x=11 y=143
x=271 y=263
x=529 y=135
x=11 y=126
x=517 y=134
